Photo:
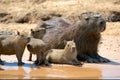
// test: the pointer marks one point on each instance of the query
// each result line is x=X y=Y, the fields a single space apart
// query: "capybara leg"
x=86 y=58
x=82 y=56
x=30 y=57
x=1 y=62
x=101 y=59
x=19 y=58
x=76 y=62
x=38 y=59
x=46 y=63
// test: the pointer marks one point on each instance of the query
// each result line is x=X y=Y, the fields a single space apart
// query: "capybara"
x=10 y=45
x=55 y=22
x=37 y=47
x=7 y=32
x=86 y=33
x=36 y=33
x=68 y=55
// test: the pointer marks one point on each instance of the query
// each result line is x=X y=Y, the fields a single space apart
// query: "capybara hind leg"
x=86 y=58
x=38 y=59
x=82 y=57
x=1 y=62
x=19 y=58
x=30 y=57
x=101 y=59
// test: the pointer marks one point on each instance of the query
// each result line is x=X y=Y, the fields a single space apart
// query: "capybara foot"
x=47 y=63
x=29 y=59
x=75 y=62
x=103 y=60
x=100 y=58
x=37 y=63
x=1 y=62
x=92 y=60
x=20 y=63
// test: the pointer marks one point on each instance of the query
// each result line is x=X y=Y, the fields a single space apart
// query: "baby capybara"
x=37 y=33
x=37 y=47
x=68 y=55
x=10 y=45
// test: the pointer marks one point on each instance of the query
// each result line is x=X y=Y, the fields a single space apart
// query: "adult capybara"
x=68 y=55
x=10 y=45
x=55 y=23
x=37 y=33
x=86 y=34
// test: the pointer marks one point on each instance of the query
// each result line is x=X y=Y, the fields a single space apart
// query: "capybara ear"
x=73 y=40
x=79 y=16
x=65 y=42
x=31 y=30
x=86 y=18
x=18 y=33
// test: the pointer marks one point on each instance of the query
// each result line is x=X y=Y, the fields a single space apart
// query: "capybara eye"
x=37 y=31
x=22 y=35
x=68 y=45
x=87 y=18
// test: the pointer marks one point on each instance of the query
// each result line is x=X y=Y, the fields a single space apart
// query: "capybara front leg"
x=76 y=62
x=30 y=57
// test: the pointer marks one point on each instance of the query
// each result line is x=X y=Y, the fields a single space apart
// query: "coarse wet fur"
x=36 y=33
x=88 y=37
x=37 y=47
x=10 y=45
x=86 y=34
x=68 y=55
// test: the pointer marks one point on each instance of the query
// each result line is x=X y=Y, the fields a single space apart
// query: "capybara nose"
x=73 y=48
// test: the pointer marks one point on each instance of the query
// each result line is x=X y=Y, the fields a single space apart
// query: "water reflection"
x=55 y=71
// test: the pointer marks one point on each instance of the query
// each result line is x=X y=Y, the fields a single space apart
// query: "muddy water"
x=110 y=49
x=55 y=71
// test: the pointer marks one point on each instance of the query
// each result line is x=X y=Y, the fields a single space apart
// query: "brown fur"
x=10 y=45
x=86 y=33
x=36 y=33
x=68 y=55
x=37 y=46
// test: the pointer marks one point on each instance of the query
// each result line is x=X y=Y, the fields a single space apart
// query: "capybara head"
x=38 y=32
x=22 y=37
x=70 y=46
x=92 y=22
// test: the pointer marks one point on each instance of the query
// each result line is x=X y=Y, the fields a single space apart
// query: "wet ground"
x=109 y=48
